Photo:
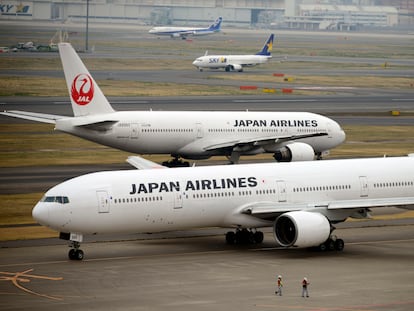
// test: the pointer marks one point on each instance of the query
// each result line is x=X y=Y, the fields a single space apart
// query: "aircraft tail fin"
x=85 y=95
x=216 y=26
x=268 y=46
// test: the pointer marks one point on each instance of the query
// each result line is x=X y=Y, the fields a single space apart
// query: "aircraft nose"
x=342 y=136
x=41 y=213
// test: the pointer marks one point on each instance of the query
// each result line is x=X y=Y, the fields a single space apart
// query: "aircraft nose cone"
x=342 y=136
x=41 y=213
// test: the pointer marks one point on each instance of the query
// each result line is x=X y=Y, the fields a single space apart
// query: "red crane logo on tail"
x=82 y=89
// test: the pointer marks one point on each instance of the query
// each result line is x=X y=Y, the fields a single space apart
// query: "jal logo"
x=82 y=89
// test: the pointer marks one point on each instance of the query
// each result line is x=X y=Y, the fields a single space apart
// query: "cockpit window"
x=57 y=199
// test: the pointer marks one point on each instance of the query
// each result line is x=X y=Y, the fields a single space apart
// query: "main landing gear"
x=332 y=244
x=75 y=253
x=244 y=236
x=176 y=162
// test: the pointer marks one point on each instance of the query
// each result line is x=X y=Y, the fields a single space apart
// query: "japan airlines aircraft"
x=184 y=32
x=291 y=136
x=235 y=62
x=301 y=201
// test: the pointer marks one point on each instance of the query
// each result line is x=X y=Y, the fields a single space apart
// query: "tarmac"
x=374 y=272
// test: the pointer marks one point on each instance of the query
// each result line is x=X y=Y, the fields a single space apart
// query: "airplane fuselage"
x=222 y=61
x=248 y=196
x=197 y=135
x=179 y=31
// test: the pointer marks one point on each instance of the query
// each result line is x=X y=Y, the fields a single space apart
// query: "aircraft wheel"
x=330 y=245
x=339 y=245
x=79 y=254
x=72 y=254
x=258 y=237
x=230 y=238
x=322 y=247
x=76 y=254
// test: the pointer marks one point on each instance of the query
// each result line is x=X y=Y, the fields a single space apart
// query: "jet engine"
x=295 y=152
x=235 y=67
x=301 y=229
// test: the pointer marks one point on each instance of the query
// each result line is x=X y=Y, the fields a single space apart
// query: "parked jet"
x=235 y=62
x=301 y=201
x=184 y=32
x=291 y=136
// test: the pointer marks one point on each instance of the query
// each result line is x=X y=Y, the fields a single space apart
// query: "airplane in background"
x=290 y=136
x=184 y=32
x=235 y=62
x=301 y=201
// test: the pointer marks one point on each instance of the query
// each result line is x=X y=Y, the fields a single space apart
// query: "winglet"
x=85 y=95
x=268 y=46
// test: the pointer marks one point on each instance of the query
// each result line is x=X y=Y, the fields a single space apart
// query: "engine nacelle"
x=237 y=67
x=301 y=229
x=295 y=152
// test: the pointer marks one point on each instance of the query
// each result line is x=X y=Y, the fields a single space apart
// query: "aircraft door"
x=178 y=200
x=135 y=131
x=281 y=189
x=179 y=197
x=103 y=201
x=199 y=130
x=363 y=181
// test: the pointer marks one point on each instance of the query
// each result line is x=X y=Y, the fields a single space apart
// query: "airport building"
x=297 y=14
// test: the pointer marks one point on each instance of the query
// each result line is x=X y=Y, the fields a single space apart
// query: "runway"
x=360 y=107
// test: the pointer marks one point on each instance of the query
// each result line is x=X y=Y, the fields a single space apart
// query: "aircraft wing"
x=33 y=116
x=271 y=210
x=261 y=141
x=143 y=164
x=404 y=202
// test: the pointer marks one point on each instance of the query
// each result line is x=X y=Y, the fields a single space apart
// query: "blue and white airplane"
x=236 y=62
x=183 y=32
x=300 y=201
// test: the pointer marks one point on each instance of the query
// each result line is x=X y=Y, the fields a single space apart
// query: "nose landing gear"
x=75 y=253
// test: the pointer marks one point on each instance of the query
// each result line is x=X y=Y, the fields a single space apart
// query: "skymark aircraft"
x=301 y=201
x=235 y=62
x=184 y=32
x=291 y=136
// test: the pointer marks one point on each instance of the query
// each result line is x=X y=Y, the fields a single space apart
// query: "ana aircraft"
x=235 y=62
x=301 y=201
x=291 y=136
x=184 y=32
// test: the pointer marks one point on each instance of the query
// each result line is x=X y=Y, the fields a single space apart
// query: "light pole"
x=87 y=25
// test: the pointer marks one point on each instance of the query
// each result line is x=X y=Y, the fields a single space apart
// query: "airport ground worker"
x=279 y=286
x=305 y=284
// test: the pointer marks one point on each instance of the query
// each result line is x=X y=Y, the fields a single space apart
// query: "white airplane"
x=235 y=62
x=301 y=201
x=184 y=32
x=291 y=136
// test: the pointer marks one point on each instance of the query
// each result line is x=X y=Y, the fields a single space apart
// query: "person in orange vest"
x=305 y=284
x=279 y=286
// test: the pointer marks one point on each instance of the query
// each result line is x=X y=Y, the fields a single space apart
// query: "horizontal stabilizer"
x=33 y=116
x=98 y=126
x=143 y=164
